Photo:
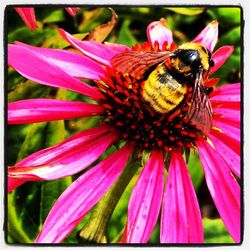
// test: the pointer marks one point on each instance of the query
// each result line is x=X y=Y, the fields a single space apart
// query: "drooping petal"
x=209 y=35
x=36 y=67
x=157 y=31
x=72 y=11
x=117 y=47
x=97 y=51
x=28 y=16
x=226 y=93
x=42 y=109
x=220 y=56
x=228 y=148
x=81 y=196
x=73 y=64
x=181 y=218
x=67 y=158
x=145 y=201
x=223 y=188
x=13 y=183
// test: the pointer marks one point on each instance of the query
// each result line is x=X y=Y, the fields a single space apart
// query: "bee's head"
x=194 y=56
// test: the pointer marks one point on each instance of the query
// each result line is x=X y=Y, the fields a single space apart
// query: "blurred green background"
x=29 y=205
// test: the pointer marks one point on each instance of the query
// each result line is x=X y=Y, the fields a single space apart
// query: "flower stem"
x=95 y=230
x=14 y=224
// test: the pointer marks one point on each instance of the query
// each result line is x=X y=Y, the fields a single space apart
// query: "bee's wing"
x=200 y=112
x=136 y=63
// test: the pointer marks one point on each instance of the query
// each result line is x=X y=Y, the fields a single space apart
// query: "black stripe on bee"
x=155 y=101
x=168 y=101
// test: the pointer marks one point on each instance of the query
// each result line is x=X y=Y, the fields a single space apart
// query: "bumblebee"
x=167 y=74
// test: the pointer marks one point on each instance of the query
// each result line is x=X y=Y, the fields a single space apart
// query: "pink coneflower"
x=28 y=16
x=126 y=118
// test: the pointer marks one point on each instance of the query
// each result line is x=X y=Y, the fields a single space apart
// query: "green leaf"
x=231 y=38
x=10 y=239
x=155 y=236
x=187 y=11
x=34 y=140
x=35 y=38
x=125 y=36
x=15 y=229
x=13 y=78
x=55 y=16
x=50 y=191
x=16 y=135
x=142 y=10
x=27 y=89
x=55 y=132
x=195 y=170
x=227 y=15
x=215 y=231
x=23 y=207
x=89 y=19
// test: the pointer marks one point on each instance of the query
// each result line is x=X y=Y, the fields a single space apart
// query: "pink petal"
x=226 y=93
x=145 y=201
x=226 y=106
x=235 y=123
x=38 y=68
x=228 y=110
x=220 y=56
x=41 y=110
x=228 y=148
x=97 y=51
x=181 y=218
x=223 y=187
x=28 y=16
x=157 y=31
x=13 y=183
x=227 y=126
x=209 y=35
x=73 y=64
x=226 y=98
x=117 y=47
x=72 y=11
x=81 y=196
x=67 y=158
